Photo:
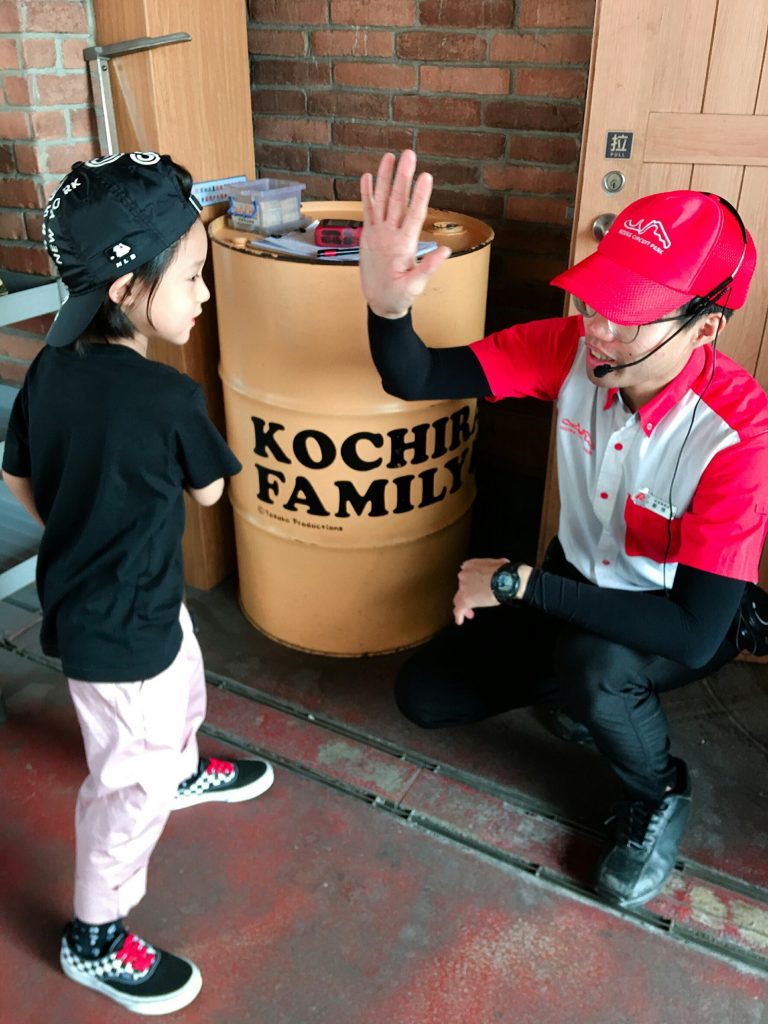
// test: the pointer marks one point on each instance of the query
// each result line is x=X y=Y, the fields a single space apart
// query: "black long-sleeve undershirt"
x=687 y=625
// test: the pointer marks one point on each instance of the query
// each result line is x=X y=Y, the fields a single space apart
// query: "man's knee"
x=590 y=668
x=412 y=701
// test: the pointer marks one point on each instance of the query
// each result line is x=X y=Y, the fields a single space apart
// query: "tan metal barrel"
x=352 y=511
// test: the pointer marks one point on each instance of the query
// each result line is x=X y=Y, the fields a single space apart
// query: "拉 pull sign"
x=618 y=145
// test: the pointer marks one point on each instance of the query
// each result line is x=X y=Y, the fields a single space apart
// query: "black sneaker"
x=225 y=781
x=136 y=975
x=646 y=839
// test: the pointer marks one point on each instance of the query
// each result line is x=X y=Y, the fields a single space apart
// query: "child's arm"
x=208 y=495
x=21 y=488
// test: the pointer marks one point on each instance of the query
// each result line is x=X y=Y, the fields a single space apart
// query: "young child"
x=101 y=445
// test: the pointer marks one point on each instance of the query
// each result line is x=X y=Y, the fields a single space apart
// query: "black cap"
x=108 y=217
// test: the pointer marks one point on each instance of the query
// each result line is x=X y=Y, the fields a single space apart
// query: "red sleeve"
x=725 y=528
x=530 y=360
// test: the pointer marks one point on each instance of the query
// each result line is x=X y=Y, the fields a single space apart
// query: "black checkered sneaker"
x=136 y=975
x=226 y=781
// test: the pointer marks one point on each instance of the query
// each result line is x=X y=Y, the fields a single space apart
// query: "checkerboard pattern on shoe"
x=139 y=977
x=225 y=781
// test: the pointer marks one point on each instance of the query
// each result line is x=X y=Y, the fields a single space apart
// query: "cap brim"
x=73 y=317
x=618 y=293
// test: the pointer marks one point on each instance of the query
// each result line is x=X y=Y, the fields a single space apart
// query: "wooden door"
x=686 y=82
x=193 y=101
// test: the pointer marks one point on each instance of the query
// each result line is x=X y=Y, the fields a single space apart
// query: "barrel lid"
x=459 y=232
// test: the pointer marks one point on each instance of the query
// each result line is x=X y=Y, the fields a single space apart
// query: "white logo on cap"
x=641 y=228
x=120 y=254
x=138 y=158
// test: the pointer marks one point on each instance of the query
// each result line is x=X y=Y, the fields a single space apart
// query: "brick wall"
x=46 y=123
x=490 y=94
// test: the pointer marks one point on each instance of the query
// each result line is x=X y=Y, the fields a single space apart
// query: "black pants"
x=514 y=657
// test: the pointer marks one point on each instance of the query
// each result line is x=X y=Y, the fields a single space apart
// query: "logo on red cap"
x=642 y=227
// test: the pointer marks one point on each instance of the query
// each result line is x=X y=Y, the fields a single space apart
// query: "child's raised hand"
x=390 y=276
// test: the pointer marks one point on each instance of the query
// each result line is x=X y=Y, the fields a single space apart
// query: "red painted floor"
x=392 y=876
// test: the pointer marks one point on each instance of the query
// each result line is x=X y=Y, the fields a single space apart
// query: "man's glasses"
x=621 y=332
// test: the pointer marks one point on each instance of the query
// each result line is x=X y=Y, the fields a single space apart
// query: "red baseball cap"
x=662 y=251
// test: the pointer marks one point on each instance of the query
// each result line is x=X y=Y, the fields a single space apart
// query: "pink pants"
x=140 y=741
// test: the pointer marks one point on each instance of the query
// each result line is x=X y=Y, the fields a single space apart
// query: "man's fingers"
x=381 y=190
x=401 y=187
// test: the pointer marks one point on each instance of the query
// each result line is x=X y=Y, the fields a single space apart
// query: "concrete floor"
x=393 y=876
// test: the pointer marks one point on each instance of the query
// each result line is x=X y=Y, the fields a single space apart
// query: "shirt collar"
x=657 y=408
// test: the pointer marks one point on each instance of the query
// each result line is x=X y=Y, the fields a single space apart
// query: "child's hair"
x=111 y=321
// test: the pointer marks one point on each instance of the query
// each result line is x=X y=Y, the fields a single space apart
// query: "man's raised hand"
x=392 y=223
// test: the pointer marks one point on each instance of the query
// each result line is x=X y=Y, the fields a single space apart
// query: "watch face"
x=505 y=582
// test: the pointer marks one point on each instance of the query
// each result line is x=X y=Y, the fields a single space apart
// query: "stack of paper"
x=294 y=243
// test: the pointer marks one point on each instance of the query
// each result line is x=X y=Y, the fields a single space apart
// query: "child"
x=101 y=445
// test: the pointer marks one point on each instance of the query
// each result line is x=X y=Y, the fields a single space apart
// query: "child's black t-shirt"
x=109 y=440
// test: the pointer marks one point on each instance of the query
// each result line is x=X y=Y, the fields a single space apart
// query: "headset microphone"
x=605 y=368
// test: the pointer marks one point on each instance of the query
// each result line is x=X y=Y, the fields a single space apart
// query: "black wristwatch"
x=505 y=582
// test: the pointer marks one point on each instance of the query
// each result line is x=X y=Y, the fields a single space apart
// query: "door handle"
x=601 y=224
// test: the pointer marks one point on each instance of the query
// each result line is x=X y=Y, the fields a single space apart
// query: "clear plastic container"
x=265 y=205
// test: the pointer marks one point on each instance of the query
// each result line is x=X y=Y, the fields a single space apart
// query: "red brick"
x=439 y=47
x=521 y=178
x=371 y=75
x=72 y=52
x=14 y=124
x=25 y=259
x=39 y=325
x=22 y=192
x=556 y=13
x=370 y=136
x=55 y=89
x=360 y=43
x=16 y=90
x=560 y=82
x=286 y=44
x=12 y=225
x=476 y=80
x=290 y=72
x=474 y=145
x=445 y=173
x=7 y=159
x=341 y=162
x=373 y=12
x=28 y=158
x=278 y=101
x=299 y=129
x=288 y=12
x=34 y=225
x=534 y=208
x=19 y=346
x=460 y=14
x=472 y=203
x=544 y=149
x=52 y=17
x=348 y=189
x=49 y=124
x=522 y=115
x=9 y=16
x=541 y=48
x=332 y=103
x=9 y=54
x=453 y=112
x=38 y=53
x=83 y=124
x=289 y=158
x=59 y=159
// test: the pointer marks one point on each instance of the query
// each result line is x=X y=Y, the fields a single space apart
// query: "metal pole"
x=98 y=58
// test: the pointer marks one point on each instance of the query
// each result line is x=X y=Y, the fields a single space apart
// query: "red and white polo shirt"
x=641 y=492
